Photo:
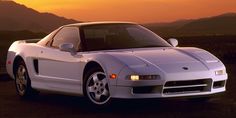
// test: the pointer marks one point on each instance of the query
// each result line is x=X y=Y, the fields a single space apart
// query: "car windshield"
x=119 y=36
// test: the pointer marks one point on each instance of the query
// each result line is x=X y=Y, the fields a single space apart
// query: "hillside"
x=16 y=17
x=224 y=24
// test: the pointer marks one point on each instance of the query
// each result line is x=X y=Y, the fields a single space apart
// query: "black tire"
x=96 y=88
x=22 y=80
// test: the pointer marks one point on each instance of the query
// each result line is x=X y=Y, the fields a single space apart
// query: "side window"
x=67 y=35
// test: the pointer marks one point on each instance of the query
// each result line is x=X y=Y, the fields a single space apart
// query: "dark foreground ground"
x=47 y=105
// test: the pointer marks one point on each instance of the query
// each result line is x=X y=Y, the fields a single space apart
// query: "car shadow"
x=5 y=77
x=128 y=108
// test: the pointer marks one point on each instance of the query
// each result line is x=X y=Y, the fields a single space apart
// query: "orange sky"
x=142 y=11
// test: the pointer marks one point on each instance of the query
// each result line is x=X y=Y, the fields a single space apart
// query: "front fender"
x=109 y=64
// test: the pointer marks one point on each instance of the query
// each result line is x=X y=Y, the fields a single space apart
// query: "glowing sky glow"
x=142 y=11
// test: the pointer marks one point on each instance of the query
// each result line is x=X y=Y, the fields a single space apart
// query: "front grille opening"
x=219 y=84
x=189 y=86
x=184 y=83
x=184 y=90
x=147 y=89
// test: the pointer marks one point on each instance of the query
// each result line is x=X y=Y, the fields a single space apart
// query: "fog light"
x=220 y=72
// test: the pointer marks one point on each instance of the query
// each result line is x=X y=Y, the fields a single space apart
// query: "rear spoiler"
x=28 y=41
x=32 y=40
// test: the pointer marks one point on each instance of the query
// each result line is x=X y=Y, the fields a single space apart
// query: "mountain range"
x=17 y=17
x=224 y=24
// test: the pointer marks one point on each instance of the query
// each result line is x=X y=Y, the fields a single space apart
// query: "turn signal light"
x=8 y=62
x=113 y=76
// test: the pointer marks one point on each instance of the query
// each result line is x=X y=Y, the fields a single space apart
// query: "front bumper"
x=170 y=88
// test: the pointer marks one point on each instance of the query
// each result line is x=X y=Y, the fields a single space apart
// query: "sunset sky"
x=142 y=11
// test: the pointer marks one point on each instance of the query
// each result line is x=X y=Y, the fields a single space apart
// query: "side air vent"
x=36 y=65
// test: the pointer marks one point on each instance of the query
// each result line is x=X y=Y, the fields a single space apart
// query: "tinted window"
x=67 y=35
x=120 y=36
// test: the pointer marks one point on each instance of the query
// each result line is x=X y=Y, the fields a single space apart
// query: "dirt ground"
x=47 y=105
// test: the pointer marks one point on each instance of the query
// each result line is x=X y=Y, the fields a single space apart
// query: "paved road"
x=47 y=105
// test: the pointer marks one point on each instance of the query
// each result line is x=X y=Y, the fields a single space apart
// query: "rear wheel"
x=22 y=80
x=96 y=87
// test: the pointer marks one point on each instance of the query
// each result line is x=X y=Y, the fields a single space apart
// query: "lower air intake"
x=190 y=86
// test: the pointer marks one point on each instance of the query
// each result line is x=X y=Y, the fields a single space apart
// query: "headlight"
x=220 y=72
x=134 y=77
x=143 y=77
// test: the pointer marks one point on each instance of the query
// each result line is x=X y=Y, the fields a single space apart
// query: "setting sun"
x=132 y=10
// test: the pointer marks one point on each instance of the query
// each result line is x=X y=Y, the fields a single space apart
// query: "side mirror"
x=67 y=47
x=173 y=42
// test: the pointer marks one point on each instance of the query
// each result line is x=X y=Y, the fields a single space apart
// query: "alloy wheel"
x=97 y=88
x=21 y=80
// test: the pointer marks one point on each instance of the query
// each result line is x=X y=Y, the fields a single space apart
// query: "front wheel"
x=22 y=80
x=96 y=87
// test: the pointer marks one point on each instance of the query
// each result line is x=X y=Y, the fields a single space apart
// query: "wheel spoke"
x=95 y=78
x=105 y=92
x=21 y=87
x=104 y=81
x=24 y=81
x=91 y=89
x=17 y=81
x=22 y=71
x=97 y=97
x=19 y=73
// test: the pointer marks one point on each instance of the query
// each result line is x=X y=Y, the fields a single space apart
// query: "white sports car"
x=104 y=60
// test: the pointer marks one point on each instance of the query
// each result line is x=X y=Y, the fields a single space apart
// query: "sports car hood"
x=168 y=59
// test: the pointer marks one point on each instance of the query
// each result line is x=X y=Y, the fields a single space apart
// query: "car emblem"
x=185 y=68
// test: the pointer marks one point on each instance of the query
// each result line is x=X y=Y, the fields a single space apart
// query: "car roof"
x=100 y=22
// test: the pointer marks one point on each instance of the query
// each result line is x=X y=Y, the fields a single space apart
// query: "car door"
x=61 y=70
